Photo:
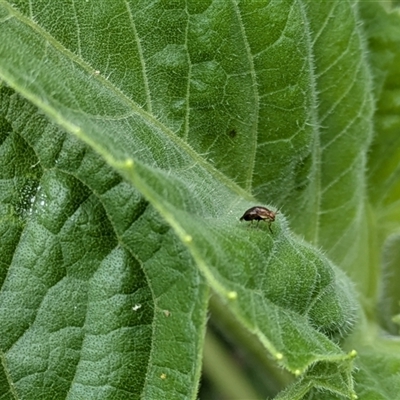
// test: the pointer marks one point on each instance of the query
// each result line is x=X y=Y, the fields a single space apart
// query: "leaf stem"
x=224 y=372
x=226 y=322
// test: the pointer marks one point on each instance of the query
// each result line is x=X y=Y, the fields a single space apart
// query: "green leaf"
x=383 y=29
x=133 y=138
x=86 y=239
x=384 y=166
x=329 y=208
x=377 y=373
x=328 y=381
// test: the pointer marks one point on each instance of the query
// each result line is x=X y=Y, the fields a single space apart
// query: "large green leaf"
x=133 y=135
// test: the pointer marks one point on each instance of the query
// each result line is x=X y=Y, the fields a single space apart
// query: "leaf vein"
x=252 y=149
x=141 y=57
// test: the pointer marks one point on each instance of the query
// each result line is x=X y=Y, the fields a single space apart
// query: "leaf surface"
x=145 y=117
